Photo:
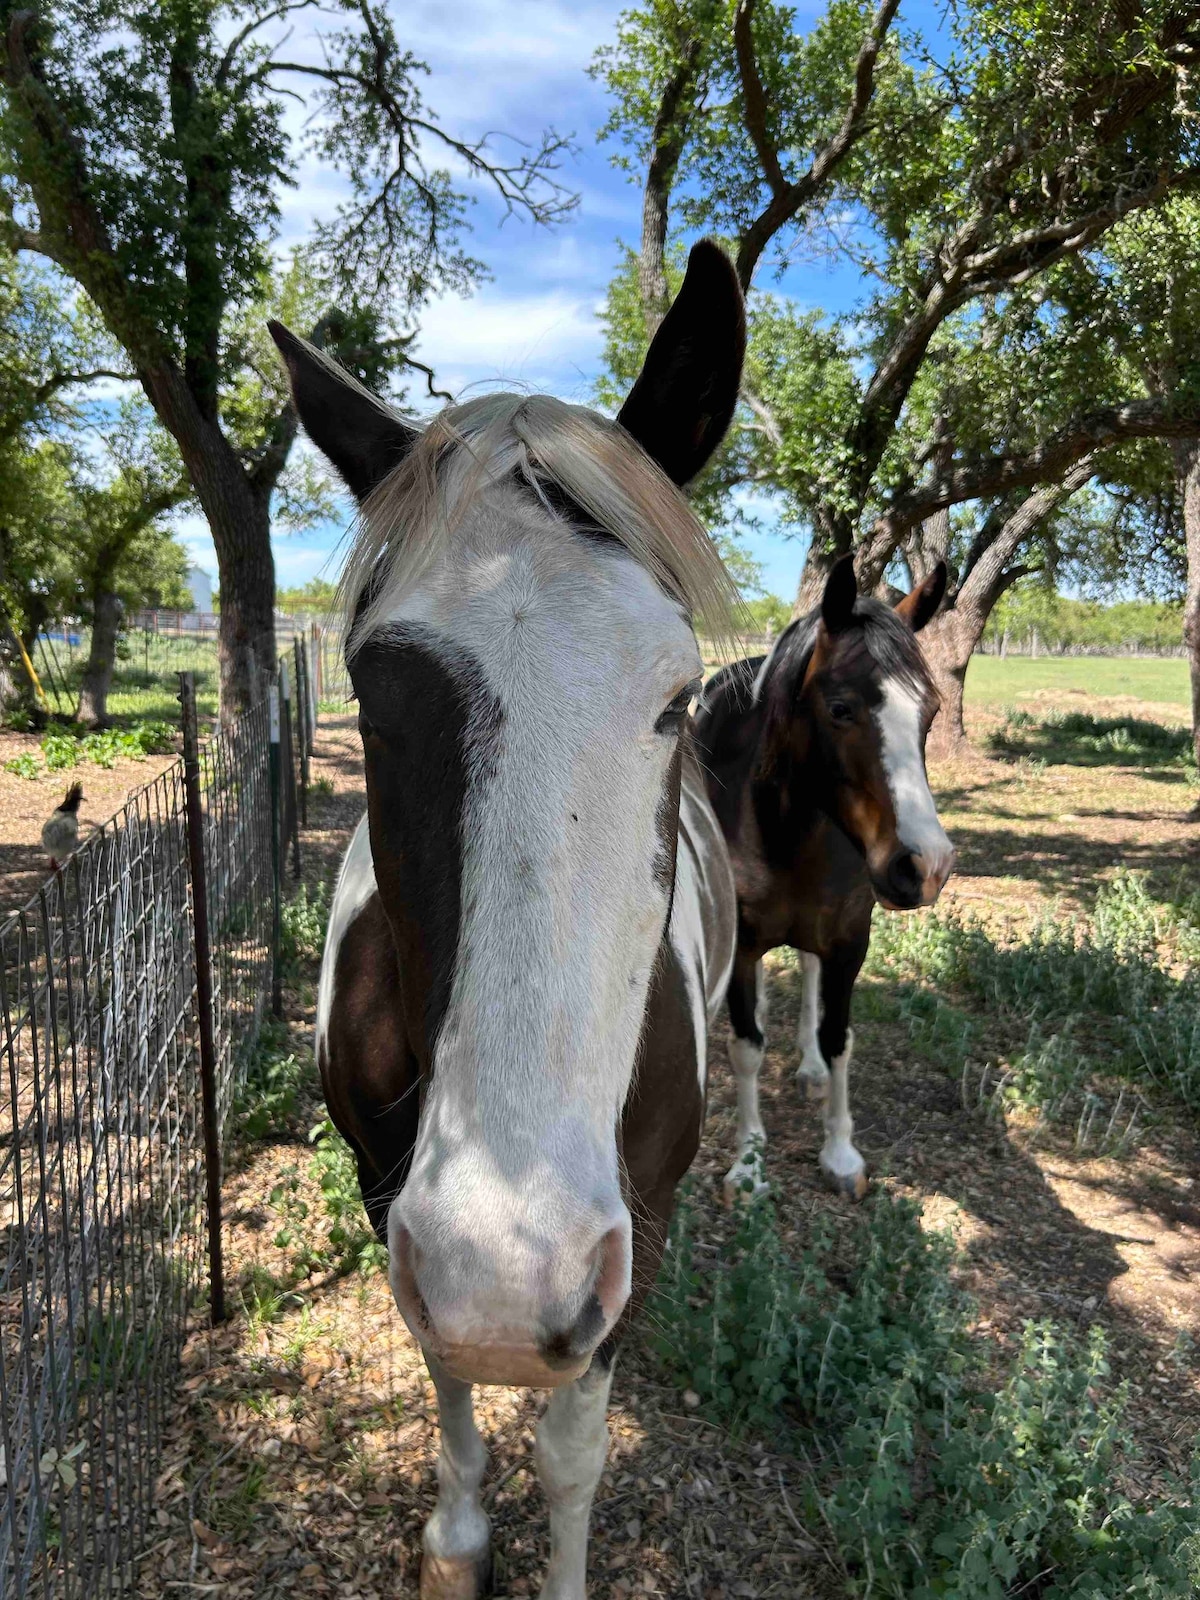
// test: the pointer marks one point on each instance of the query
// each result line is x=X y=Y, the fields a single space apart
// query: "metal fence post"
x=194 y=816
x=302 y=723
x=289 y=763
x=276 y=853
x=310 y=694
x=318 y=664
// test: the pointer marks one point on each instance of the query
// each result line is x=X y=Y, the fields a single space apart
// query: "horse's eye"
x=671 y=720
x=840 y=711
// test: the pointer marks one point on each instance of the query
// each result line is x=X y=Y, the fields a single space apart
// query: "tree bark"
x=107 y=612
x=1186 y=453
x=238 y=512
x=949 y=641
x=947 y=644
x=818 y=564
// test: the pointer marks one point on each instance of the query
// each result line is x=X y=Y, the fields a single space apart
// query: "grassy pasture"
x=1000 y=680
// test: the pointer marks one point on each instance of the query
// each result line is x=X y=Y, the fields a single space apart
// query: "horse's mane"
x=556 y=450
x=884 y=636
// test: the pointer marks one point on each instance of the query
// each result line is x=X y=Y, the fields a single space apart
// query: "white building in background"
x=199 y=586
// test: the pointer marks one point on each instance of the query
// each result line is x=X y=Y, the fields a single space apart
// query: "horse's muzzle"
x=912 y=880
x=501 y=1332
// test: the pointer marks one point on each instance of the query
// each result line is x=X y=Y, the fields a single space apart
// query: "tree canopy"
x=145 y=149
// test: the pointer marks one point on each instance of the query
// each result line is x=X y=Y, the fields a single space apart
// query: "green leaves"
x=935 y=1478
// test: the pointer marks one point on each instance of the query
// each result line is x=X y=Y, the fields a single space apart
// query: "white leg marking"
x=572 y=1442
x=813 y=1076
x=745 y=1177
x=840 y=1161
x=457 y=1536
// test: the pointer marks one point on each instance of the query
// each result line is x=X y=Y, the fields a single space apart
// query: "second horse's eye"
x=672 y=718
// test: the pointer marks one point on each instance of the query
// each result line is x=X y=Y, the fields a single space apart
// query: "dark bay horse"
x=534 y=923
x=815 y=762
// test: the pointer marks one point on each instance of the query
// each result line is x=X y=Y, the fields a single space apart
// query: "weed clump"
x=1126 y=980
x=935 y=1477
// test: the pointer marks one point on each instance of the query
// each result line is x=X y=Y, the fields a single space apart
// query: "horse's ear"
x=683 y=400
x=841 y=591
x=361 y=436
x=921 y=605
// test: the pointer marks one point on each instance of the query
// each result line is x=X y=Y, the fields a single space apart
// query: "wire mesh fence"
x=102 y=1150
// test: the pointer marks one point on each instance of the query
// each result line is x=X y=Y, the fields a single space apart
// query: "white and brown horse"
x=815 y=761
x=535 y=921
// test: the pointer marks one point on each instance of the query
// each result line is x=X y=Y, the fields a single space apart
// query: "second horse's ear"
x=683 y=400
x=841 y=591
x=921 y=605
x=362 y=438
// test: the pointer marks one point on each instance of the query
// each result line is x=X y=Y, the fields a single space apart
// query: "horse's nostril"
x=904 y=876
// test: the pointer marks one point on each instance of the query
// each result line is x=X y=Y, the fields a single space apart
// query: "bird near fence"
x=60 y=835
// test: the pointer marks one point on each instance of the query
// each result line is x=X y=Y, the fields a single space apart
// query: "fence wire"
x=101 y=1152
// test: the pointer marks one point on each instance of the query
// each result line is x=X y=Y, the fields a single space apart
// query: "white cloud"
x=547 y=340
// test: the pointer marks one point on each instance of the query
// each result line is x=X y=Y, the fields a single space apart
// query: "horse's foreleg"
x=457 y=1560
x=813 y=1074
x=747 y=1020
x=572 y=1442
x=842 y=1165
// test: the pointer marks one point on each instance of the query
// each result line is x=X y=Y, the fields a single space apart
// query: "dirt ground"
x=302 y=1448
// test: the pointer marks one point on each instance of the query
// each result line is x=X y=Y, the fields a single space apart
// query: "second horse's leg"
x=841 y=1163
x=813 y=1074
x=747 y=1017
x=457 y=1561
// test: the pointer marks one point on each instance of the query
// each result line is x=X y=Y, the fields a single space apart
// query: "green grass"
x=144 y=684
x=1079 y=739
x=942 y=1465
x=1116 y=993
x=996 y=681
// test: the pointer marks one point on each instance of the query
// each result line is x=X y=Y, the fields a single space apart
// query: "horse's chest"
x=818 y=897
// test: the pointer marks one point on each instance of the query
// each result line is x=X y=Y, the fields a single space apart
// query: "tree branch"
x=1049 y=462
x=666 y=146
x=978 y=591
x=275 y=14
x=788 y=198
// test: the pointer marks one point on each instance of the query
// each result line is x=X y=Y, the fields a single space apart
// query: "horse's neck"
x=782 y=782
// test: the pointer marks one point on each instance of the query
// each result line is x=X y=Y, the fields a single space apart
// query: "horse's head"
x=523 y=658
x=859 y=706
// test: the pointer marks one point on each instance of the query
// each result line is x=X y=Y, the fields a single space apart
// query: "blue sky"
x=520 y=67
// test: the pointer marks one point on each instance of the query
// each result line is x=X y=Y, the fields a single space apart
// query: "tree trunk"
x=818 y=564
x=107 y=612
x=246 y=630
x=1186 y=453
x=238 y=514
x=947 y=643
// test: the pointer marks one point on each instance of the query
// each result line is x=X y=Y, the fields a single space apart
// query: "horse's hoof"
x=455 y=1577
x=853 y=1185
x=744 y=1183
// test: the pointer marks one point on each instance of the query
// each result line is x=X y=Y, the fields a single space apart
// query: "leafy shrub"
x=61 y=750
x=23 y=766
x=352 y=1242
x=934 y=1480
x=1075 y=737
x=304 y=921
x=268 y=1098
x=1129 y=974
x=20 y=719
